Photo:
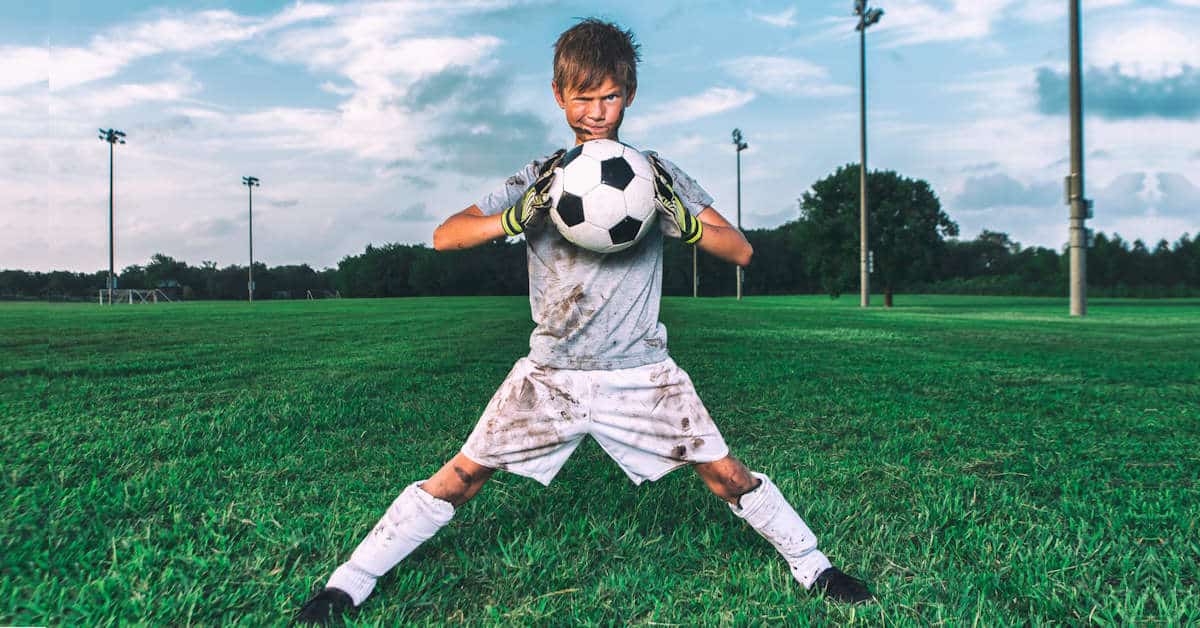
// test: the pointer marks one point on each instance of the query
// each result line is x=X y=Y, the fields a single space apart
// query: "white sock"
x=766 y=510
x=412 y=519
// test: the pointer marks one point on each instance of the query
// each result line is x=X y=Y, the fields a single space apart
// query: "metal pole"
x=110 y=223
x=1079 y=205
x=739 y=215
x=863 y=276
x=695 y=275
x=250 y=282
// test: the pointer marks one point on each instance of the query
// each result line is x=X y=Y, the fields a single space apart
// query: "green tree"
x=907 y=229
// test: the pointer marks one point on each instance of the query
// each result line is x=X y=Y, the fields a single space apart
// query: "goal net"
x=131 y=296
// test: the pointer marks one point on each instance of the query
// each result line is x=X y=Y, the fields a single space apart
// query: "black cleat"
x=325 y=608
x=836 y=585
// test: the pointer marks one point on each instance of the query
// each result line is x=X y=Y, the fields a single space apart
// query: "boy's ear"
x=562 y=104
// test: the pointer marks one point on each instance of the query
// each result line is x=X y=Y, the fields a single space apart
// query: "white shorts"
x=648 y=419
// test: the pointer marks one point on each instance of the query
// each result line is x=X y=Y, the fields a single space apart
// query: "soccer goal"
x=131 y=296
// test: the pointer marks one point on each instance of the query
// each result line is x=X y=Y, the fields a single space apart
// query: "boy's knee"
x=458 y=481
x=727 y=478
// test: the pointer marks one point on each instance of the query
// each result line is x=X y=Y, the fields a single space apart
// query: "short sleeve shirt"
x=594 y=311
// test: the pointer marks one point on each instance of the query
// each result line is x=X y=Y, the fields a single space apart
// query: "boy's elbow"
x=439 y=241
x=747 y=254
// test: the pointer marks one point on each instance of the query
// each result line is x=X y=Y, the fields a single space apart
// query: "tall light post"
x=866 y=17
x=740 y=145
x=113 y=137
x=251 y=183
x=1080 y=206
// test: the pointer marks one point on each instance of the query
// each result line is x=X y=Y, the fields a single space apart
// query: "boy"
x=598 y=363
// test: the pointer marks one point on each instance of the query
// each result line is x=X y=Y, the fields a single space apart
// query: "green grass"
x=977 y=459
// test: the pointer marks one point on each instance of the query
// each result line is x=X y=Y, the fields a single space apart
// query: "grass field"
x=977 y=459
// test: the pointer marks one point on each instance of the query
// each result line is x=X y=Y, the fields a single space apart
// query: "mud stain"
x=679 y=452
x=685 y=423
x=463 y=476
x=654 y=343
x=566 y=315
x=697 y=443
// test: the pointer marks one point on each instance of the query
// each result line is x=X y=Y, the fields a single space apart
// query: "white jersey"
x=594 y=311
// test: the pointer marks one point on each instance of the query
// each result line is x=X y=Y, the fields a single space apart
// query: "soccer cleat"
x=844 y=588
x=325 y=608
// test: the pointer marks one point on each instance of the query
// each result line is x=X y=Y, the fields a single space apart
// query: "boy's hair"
x=592 y=51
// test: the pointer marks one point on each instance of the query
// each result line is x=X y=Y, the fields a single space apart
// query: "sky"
x=371 y=122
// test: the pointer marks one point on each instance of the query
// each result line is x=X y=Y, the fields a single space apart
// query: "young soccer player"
x=598 y=362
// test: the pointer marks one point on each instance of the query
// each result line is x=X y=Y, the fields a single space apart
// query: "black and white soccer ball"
x=603 y=194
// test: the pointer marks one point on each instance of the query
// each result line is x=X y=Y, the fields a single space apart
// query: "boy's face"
x=594 y=113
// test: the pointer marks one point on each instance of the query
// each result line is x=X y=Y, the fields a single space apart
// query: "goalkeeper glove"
x=678 y=222
x=535 y=200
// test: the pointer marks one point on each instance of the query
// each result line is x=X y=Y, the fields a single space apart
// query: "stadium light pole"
x=113 y=137
x=866 y=17
x=740 y=145
x=1081 y=208
x=250 y=183
x=695 y=274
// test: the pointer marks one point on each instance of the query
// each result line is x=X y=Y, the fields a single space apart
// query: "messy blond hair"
x=594 y=50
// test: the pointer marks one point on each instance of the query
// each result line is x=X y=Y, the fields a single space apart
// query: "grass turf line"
x=973 y=458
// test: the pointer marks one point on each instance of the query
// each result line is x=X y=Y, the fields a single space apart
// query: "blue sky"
x=369 y=122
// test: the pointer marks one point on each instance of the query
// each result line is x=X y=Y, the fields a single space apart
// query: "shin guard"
x=412 y=519
x=766 y=510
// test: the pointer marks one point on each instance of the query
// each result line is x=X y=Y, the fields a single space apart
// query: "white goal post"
x=130 y=296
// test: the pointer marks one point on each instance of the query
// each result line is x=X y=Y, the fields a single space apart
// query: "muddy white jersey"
x=594 y=311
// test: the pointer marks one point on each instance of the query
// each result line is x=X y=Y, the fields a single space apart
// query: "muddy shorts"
x=648 y=419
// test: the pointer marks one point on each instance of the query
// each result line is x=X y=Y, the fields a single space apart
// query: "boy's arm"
x=466 y=229
x=471 y=227
x=723 y=239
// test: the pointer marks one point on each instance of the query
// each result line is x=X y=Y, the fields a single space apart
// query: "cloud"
x=783 y=19
x=413 y=213
x=690 y=108
x=1178 y=195
x=1001 y=190
x=474 y=136
x=912 y=22
x=788 y=76
x=1115 y=95
x=1145 y=43
x=283 y=203
x=1041 y=11
x=24 y=66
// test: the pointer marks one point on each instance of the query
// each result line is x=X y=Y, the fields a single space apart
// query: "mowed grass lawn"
x=980 y=460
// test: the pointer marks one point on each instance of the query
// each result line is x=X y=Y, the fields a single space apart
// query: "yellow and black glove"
x=678 y=222
x=535 y=200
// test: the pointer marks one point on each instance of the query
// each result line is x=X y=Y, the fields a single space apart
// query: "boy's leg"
x=756 y=499
x=415 y=516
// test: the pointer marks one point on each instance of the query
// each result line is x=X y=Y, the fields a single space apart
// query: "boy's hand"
x=534 y=201
x=678 y=222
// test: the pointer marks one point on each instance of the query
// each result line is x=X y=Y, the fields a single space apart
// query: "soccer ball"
x=603 y=195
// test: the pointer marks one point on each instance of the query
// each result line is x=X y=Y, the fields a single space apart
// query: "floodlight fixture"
x=112 y=137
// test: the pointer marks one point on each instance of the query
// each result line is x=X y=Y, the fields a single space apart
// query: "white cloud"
x=1149 y=44
x=690 y=108
x=785 y=75
x=911 y=22
x=1040 y=11
x=784 y=19
x=108 y=52
x=24 y=66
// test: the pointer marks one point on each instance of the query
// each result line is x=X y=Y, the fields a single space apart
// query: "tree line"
x=914 y=248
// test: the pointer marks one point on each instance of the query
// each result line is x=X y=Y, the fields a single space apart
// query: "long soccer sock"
x=412 y=519
x=769 y=513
